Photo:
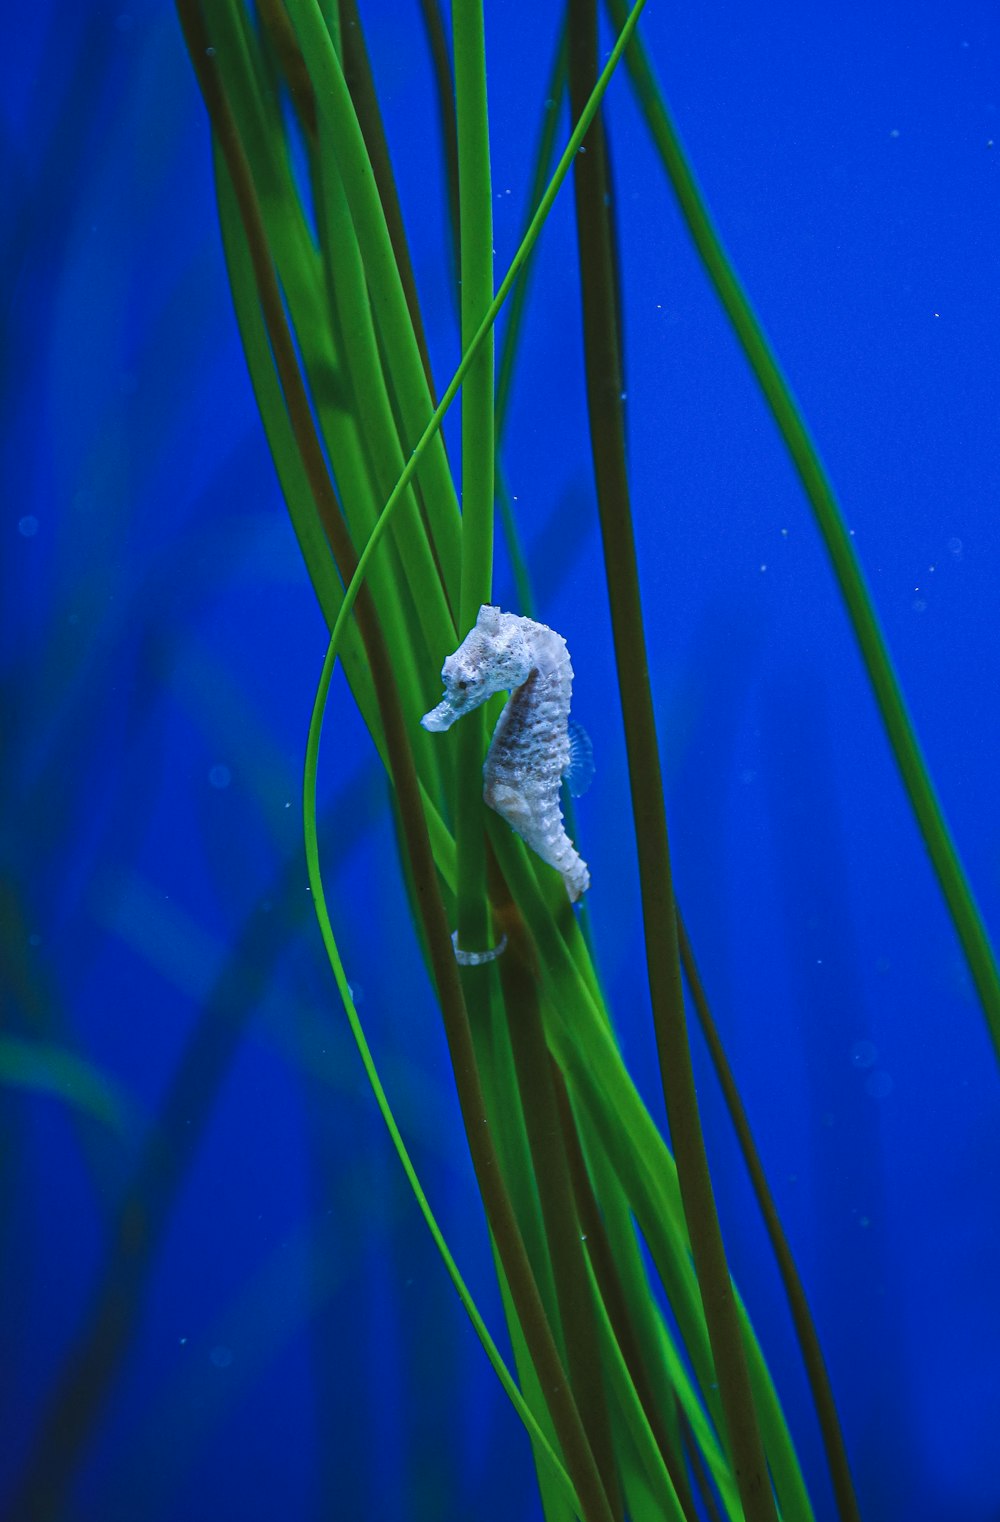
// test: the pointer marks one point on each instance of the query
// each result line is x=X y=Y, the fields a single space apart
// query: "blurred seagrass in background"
x=709 y=1190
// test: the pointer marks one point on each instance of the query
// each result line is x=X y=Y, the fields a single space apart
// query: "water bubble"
x=955 y=546
x=220 y=776
x=879 y=1085
x=919 y=606
x=221 y=1356
x=864 y=1054
x=27 y=526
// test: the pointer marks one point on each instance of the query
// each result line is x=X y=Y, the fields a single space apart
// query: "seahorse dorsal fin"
x=579 y=774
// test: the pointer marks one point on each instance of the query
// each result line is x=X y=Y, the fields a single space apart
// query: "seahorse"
x=534 y=746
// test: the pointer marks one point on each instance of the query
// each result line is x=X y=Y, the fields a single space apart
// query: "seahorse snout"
x=441 y=717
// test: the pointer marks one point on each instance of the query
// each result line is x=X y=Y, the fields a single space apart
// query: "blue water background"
x=287 y=1342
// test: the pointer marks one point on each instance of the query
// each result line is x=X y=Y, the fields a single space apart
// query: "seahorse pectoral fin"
x=579 y=774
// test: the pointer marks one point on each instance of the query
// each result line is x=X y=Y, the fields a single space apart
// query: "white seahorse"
x=533 y=748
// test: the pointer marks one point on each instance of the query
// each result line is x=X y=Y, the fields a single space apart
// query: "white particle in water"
x=864 y=1054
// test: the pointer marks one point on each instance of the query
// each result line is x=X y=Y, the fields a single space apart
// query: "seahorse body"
x=530 y=750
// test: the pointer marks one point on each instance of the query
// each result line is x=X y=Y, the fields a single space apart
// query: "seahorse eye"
x=462 y=685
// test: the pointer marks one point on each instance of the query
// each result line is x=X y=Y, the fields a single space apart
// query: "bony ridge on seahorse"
x=534 y=746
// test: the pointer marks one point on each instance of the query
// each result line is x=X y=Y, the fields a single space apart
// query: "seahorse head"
x=493 y=657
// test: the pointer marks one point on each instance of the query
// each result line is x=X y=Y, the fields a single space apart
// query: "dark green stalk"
x=358 y=72
x=281 y=36
x=604 y=388
x=962 y=907
x=475 y=205
x=366 y=104
x=805 y=1330
x=701 y=1475
x=444 y=89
